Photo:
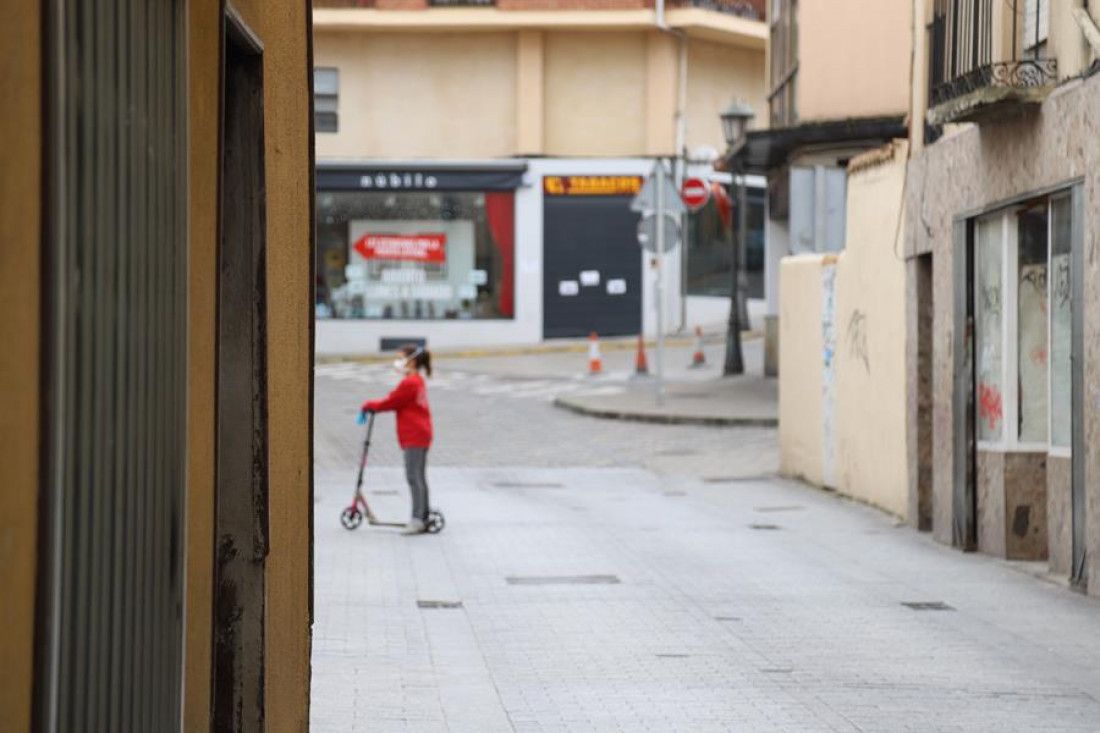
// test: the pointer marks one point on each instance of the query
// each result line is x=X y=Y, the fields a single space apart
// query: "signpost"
x=695 y=193
x=659 y=203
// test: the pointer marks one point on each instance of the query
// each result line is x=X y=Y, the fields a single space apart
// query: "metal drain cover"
x=527 y=485
x=439 y=604
x=384 y=492
x=675 y=493
x=927 y=605
x=787 y=508
x=764 y=526
x=673 y=656
x=562 y=579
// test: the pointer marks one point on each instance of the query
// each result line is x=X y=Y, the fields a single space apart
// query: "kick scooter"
x=353 y=514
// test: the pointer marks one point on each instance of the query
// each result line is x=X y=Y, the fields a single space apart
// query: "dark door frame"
x=964 y=515
x=1079 y=564
x=241 y=541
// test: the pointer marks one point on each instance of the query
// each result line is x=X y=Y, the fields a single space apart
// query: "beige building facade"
x=540 y=92
x=148 y=587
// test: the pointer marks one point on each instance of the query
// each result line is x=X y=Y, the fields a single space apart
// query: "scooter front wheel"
x=436 y=522
x=351 y=517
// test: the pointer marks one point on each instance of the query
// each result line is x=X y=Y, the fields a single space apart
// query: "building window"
x=415 y=255
x=326 y=86
x=1035 y=27
x=784 y=62
x=709 y=251
x=1022 y=326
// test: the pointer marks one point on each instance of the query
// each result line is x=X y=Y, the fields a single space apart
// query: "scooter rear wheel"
x=436 y=522
x=351 y=517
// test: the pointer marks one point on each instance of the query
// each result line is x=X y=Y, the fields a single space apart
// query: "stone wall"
x=975 y=169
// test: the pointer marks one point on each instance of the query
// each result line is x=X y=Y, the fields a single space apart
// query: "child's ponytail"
x=420 y=356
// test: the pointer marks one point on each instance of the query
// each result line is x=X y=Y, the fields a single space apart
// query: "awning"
x=420 y=175
x=763 y=150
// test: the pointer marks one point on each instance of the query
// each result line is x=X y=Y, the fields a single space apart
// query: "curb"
x=666 y=419
x=611 y=344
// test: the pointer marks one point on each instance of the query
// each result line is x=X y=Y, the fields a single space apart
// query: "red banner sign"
x=410 y=247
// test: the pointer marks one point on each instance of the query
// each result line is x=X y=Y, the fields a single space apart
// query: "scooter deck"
x=380 y=523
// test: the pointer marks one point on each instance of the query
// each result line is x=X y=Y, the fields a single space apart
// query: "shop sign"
x=404 y=181
x=591 y=185
x=695 y=192
x=407 y=247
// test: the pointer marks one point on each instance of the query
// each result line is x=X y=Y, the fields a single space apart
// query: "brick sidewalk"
x=642 y=603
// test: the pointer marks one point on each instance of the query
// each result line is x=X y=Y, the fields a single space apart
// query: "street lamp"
x=735 y=120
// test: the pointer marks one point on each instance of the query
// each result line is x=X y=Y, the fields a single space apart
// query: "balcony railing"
x=965 y=83
x=751 y=9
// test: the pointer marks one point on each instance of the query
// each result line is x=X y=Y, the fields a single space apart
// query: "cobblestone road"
x=602 y=576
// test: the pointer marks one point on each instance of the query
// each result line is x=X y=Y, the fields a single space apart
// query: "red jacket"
x=409 y=400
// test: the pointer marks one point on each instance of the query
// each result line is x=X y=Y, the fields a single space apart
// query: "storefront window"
x=415 y=254
x=989 y=330
x=709 y=247
x=1061 y=325
x=1033 y=353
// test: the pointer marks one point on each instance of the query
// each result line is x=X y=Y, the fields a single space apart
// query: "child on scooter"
x=409 y=400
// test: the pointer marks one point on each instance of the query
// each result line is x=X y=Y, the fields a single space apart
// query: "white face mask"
x=399 y=365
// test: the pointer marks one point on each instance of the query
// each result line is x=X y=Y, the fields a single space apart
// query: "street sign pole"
x=660 y=255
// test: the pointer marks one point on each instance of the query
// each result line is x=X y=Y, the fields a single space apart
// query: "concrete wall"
x=979 y=168
x=843 y=416
x=716 y=75
x=433 y=95
x=872 y=460
x=20 y=321
x=803 y=409
x=594 y=98
x=567 y=92
x=283 y=27
x=853 y=57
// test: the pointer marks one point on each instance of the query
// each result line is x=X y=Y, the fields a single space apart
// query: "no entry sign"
x=410 y=247
x=695 y=193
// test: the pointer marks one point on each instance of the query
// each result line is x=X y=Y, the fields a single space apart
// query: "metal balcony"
x=965 y=83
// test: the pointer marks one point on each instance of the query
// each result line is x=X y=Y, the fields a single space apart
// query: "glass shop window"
x=1061 y=323
x=415 y=255
x=989 y=329
x=1031 y=321
x=1023 y=323
x=709 y=250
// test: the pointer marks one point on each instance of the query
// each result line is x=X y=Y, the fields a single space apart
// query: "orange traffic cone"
x=641 y=366
x=595 y=363
x=698 y=359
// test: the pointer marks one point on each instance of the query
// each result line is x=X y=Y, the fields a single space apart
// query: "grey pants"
x=416 y=462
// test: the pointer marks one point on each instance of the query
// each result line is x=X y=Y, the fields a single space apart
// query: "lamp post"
x=735 y=120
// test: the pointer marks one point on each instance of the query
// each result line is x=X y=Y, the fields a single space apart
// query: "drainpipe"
x=680 y=172
x=678 y=169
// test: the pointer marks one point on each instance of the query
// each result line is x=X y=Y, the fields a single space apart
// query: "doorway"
x=241 y=489
x=921 y=502
x=592 y=267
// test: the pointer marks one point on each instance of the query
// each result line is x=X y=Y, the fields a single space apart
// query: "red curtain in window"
x=500 y=212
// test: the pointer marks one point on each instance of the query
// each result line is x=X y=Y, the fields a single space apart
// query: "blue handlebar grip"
x=362 y=418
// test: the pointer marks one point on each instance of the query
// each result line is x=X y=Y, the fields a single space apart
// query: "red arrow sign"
x=695 y=193
x=411 y=247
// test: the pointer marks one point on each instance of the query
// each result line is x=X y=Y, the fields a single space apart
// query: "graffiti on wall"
x=990 y=407
x=857 y=339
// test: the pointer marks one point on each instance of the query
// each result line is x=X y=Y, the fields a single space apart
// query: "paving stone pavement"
x=612 y=576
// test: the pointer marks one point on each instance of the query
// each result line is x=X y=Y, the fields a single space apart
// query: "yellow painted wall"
x=529 y=92
x=283 y=28
x=20 y=249
x=595 y=94
x=801 y=446
x=430 y=95
x=854 y=58
x=717 y=74
x=871 y=330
